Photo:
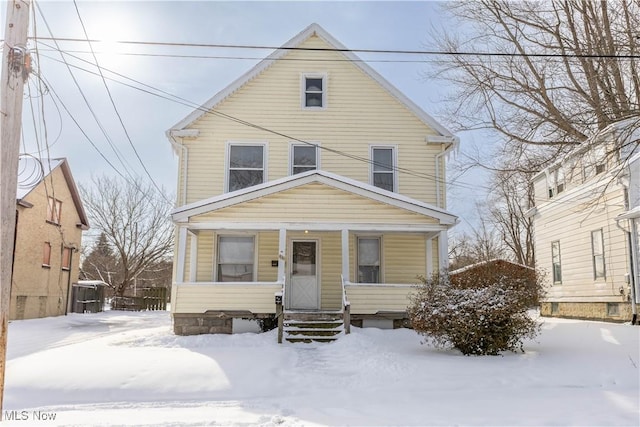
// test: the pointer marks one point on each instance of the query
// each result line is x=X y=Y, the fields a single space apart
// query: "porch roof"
x=184 y=213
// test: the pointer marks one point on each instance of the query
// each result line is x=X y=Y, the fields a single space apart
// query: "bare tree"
x=135 y=221
x=545 y=75
x=482 y=244
x=512 y=196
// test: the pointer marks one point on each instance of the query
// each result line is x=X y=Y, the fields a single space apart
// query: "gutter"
x=449 y=143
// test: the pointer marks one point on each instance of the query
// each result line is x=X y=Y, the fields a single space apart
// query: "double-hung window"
x=369 y=260
x=66 y=258
x=383 y=171
x=246 y=166
x=235 y=258
x=314 y=91
x=46 y=254
x=555 y=262
x=303 y=158
x=597 y=254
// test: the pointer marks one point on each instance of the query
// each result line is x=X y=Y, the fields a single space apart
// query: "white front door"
x=303 y=277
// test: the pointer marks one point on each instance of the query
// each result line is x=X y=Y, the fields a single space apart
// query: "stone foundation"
x=602 y=311
x=211 y=322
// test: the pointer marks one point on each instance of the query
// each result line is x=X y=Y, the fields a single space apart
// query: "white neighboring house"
x=586 y=219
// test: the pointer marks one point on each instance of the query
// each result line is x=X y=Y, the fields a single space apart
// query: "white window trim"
x=303 y=89
x=216 y=245
x=553 y=279
x=293 y=144
x=227 y=160
x=357 y=257
x=394 y=160
x=602 y=278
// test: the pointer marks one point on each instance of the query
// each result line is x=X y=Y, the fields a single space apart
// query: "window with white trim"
x=236 y=258
x=556 y=182
x=369 y=259
x=303 y=158
x=245 y=166
x=314 y=91
x=383 y=171
x=555 y=262
x=597 y=254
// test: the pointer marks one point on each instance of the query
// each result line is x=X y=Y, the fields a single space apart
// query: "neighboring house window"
x=303 y=158
x=314 y=91
x=46 y=256
x=597 y=252
x=66 y=258
x=246 y=166
x=555 y=261
x=600 y=163
x=235 y=258
x=368 y=260
x=382 y=168
x=54 y=208
x=556 y=183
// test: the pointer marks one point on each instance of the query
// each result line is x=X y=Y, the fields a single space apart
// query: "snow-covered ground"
x=119 y=369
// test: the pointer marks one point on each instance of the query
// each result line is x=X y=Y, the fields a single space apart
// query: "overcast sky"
x=145 y=117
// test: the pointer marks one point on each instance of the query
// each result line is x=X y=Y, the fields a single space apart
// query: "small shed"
x=87 y=296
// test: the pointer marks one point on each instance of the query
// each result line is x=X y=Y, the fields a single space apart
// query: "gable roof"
x=316 y=176
x=310 y=31
x=33 y=171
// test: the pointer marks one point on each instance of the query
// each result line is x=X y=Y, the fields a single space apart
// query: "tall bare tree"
x=543 y=74
x=483 y=243
x=134 y=218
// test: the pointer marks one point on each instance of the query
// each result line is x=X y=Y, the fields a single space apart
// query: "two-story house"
x=312 y=178
x=49 y=225
x=582 y=238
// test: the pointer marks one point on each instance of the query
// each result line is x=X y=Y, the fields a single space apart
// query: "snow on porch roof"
x=183 y=213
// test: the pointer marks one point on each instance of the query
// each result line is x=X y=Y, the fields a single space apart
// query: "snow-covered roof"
x=312 y=30
x=337 y=181
x=491 y=261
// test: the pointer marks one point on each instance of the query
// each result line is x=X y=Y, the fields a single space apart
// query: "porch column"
x=182 y=253
x=193 y=257
x=282 y=253
x=345 y=255
x=429 y=252
x=443 y=250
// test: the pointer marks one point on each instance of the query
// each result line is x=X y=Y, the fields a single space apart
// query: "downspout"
x=172 y=135
x=633 y=261
x=447 y=144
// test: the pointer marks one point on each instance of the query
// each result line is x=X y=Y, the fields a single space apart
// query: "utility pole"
x=16 y=66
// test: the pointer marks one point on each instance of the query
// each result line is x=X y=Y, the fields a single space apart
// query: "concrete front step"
x=310 y=326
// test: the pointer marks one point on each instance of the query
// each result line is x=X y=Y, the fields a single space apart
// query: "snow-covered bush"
x=488 y=318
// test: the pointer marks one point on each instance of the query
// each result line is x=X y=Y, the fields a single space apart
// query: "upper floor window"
x=303 y=158
x=236 y=258
x=246 y=166
x=597 y=254
x=314 y=91
x=556 y=182
x=383 y=171
x=369 y=260
x=555 y=262
x=54 y=208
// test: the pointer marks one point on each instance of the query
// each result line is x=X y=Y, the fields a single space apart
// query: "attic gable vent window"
x=314 y=91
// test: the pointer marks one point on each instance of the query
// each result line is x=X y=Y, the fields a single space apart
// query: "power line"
x=345 y=50
x=113 y=104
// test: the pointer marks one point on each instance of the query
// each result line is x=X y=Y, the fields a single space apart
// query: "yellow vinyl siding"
x=404 y=258
x=359 y=113
x=205 y=256
x=371 y=299
x=267 y=252
x=199 y=298
x=315 y=202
